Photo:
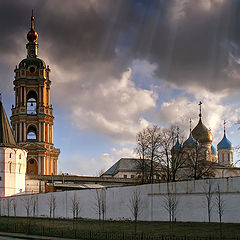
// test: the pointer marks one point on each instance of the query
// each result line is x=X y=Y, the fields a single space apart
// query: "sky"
x=118 y=66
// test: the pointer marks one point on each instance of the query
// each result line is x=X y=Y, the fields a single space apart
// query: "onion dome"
x=201 y=133
x=224 y=143
x=177 y=146
x=213 y=150
x=190 y=142
x=25 y=63
x=32 y=35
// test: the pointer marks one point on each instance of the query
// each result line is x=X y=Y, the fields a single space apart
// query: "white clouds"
x=110 y=106
x=108 y=159
x=214 y=110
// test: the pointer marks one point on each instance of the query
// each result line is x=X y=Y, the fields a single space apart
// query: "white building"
x=12 y=160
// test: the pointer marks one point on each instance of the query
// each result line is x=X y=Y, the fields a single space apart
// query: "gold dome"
x=201 y=133
x=32 y=35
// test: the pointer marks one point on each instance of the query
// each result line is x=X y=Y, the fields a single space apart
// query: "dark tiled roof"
x=124 y=164
x=6 y=134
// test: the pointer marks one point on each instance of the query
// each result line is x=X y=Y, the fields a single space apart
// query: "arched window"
x=32 y=102
x=32 y=133
x=32 y=167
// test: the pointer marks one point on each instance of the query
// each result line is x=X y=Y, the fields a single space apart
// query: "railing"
x=61 y=232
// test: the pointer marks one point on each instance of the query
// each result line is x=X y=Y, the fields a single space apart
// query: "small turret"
x=225 y=150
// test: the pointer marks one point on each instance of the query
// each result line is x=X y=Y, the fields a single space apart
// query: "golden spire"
x=32 y=37
x=32 y=21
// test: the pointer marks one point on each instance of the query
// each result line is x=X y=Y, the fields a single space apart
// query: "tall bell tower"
x=32 y=115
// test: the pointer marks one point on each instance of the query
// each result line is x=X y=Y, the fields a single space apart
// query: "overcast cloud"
x=111 y=60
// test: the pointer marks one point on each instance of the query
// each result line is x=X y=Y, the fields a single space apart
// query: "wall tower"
x=32 y=115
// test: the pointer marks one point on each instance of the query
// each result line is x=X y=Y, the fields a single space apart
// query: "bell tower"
x=32 y=115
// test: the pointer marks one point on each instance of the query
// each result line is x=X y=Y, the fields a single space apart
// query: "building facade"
x=12 y=160
x=32 y=115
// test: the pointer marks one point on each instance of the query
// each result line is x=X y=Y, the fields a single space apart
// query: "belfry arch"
x=32 y=102
x=32 y=133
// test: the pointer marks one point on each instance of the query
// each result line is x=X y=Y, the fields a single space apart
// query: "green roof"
x=25 y=63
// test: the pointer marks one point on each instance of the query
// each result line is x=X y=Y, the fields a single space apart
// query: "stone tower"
x=12 y=160
x=32 y=116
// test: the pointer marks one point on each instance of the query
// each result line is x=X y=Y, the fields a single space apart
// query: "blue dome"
x=225 y=144
x=213 y=150
x=190 y=142
x=177 y=146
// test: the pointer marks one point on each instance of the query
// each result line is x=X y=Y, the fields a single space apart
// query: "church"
x=27 y=147
x=220 y=160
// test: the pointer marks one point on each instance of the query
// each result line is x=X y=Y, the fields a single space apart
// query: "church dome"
x=201 y=133
x=177 y=146
x=213 y=150
x=190 y=142
x=32 y=36
x=25 y=63
x=225 y=144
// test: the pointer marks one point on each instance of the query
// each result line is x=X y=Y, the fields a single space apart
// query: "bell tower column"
x=32 y=115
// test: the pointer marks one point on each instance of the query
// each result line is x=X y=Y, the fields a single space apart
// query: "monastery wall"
x=190 y=195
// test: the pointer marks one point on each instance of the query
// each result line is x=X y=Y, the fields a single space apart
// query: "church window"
x=228 y=157
x=20 y=156
x=19 y=168
x=10 y=155
x=31 y=161
x=32 y=103
x=32 y=69
x=132 y=176
x=32 y=133
x=10 y=167
x=125 y=176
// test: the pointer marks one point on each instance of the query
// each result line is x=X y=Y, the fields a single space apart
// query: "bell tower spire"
x=32 y=37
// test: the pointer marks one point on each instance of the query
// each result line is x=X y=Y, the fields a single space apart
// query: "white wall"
x=190 y=194
x=13 y=170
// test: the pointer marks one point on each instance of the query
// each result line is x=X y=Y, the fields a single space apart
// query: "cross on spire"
x=32 y=21
x=224 y=126
x=200 y=109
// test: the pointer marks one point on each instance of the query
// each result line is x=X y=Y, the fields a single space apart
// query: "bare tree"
x=208 y=194
x=170 y=203
x=220 y=205
x=197 y=164
x=76 y=208
x=14 y=204
x=101 y=204
x=52 y=204
x=8 y=205
x=158 y=153
x=141 y=150
x=172 y=156
x=27 y=203
x=136 y=206
x=35 y=204
x=147 y=149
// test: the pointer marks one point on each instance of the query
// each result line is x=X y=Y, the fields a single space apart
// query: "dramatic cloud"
x=113 y=107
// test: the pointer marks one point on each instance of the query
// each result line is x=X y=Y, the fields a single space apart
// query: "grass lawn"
x=68 y=226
